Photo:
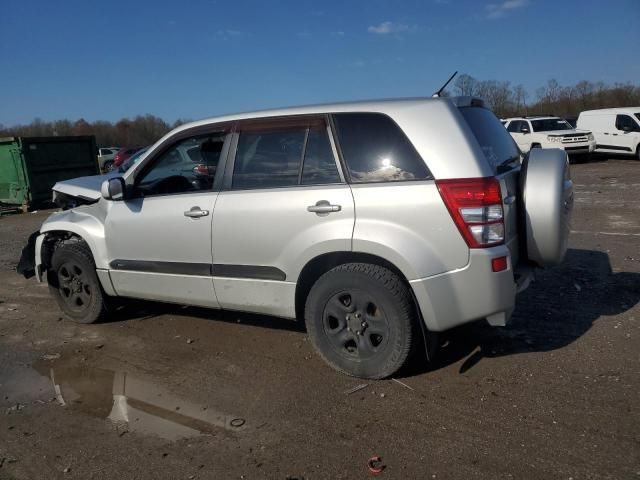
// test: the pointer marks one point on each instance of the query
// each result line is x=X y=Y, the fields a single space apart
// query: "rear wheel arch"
x=321 y=264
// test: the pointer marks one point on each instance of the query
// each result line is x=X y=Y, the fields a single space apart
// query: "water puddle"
x=132 y=403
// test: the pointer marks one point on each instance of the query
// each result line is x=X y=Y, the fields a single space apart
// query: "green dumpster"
x=30 y=166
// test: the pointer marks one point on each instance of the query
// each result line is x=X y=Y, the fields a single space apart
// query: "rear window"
x=496 y=143
x=375 y=149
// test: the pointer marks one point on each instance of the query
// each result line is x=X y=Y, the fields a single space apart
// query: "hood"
x=83 y=188
x=566 y=133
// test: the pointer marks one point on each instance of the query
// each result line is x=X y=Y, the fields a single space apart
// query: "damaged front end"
x=27 y=264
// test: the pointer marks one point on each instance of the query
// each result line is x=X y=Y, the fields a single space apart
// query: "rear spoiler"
x=468 y=102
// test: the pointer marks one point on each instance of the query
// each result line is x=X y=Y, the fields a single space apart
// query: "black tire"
x=361 y=319
x=74 y=284
x=108 y=166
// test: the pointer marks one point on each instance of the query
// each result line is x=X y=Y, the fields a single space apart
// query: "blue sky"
x=194 y=59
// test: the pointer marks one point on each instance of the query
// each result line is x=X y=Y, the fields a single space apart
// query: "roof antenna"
x=437 y=94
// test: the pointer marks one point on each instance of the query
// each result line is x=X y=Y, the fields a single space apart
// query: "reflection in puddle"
x=132 y=402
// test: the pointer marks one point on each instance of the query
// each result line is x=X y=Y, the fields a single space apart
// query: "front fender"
x=83 y=222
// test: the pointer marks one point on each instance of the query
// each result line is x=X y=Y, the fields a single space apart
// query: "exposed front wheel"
x=108 y=166
x=361 y=319
x=74 y=284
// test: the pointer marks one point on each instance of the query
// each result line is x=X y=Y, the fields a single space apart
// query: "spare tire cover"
x=547 y=192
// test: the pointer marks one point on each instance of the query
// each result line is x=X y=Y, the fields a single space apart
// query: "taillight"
x=475 y=204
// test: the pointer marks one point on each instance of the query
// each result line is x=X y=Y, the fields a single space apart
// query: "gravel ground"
x=170 y=392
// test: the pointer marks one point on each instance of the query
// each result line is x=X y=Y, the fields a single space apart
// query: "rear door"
x=501 y=152
x=284 y=202
x=625 y=137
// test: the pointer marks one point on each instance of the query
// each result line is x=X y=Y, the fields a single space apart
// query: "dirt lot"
x=211 y=394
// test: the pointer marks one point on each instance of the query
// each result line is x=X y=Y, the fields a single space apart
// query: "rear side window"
x=496 y=143
x=319 y=162
x=375 y=149
x=283 y=157
x=268 y=159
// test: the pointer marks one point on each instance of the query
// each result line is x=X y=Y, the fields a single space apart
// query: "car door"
x=515 y=129
x=159 y=240
x=624 y=138
x=284 y=202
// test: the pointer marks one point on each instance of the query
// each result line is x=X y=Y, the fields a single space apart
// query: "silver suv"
x=378 y=222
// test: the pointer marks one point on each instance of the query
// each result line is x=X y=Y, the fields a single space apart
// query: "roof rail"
x=534 y=115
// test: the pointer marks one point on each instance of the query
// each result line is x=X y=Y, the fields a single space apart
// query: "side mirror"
x=113 y=189
x=626 y=128
x=524 y=130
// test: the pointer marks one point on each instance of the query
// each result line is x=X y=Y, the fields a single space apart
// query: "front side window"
x=515 y=126
x=375 y=149
x=626 y=123
x=284 y=156
x=188 y=166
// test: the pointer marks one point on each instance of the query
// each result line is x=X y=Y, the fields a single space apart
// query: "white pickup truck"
x=549 y=132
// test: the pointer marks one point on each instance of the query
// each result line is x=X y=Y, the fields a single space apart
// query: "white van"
x=617 y=130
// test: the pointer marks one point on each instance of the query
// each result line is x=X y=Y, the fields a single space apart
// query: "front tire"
x=74 y=285
x=361 y=319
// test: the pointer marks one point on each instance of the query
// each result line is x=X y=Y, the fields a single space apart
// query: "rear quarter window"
x=375 y=149
x=496 y=143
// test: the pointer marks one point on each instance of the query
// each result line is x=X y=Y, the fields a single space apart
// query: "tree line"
x=139 y=131
x=508 y=100
x=505 y=99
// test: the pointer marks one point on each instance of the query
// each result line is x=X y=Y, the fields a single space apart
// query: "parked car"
x=122 y=155
x=617 y=130
x=549 y=132
x=132 y=160
x=85 y=186
x=106 y=155
x=380 y=223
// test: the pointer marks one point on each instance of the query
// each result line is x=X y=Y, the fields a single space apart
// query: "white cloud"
x=500 y=10
x=390 y=27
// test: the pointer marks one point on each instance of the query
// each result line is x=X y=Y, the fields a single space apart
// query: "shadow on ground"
x=557 y=309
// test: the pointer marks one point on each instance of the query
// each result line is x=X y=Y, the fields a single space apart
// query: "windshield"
x=549 y=124
x=496 y=143
x=637 y=116
x=132 y=160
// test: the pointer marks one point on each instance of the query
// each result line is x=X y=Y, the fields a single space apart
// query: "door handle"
x=196 y=212
x=323 y=207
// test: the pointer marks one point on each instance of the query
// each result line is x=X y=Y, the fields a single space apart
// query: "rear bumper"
x=470 y=293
